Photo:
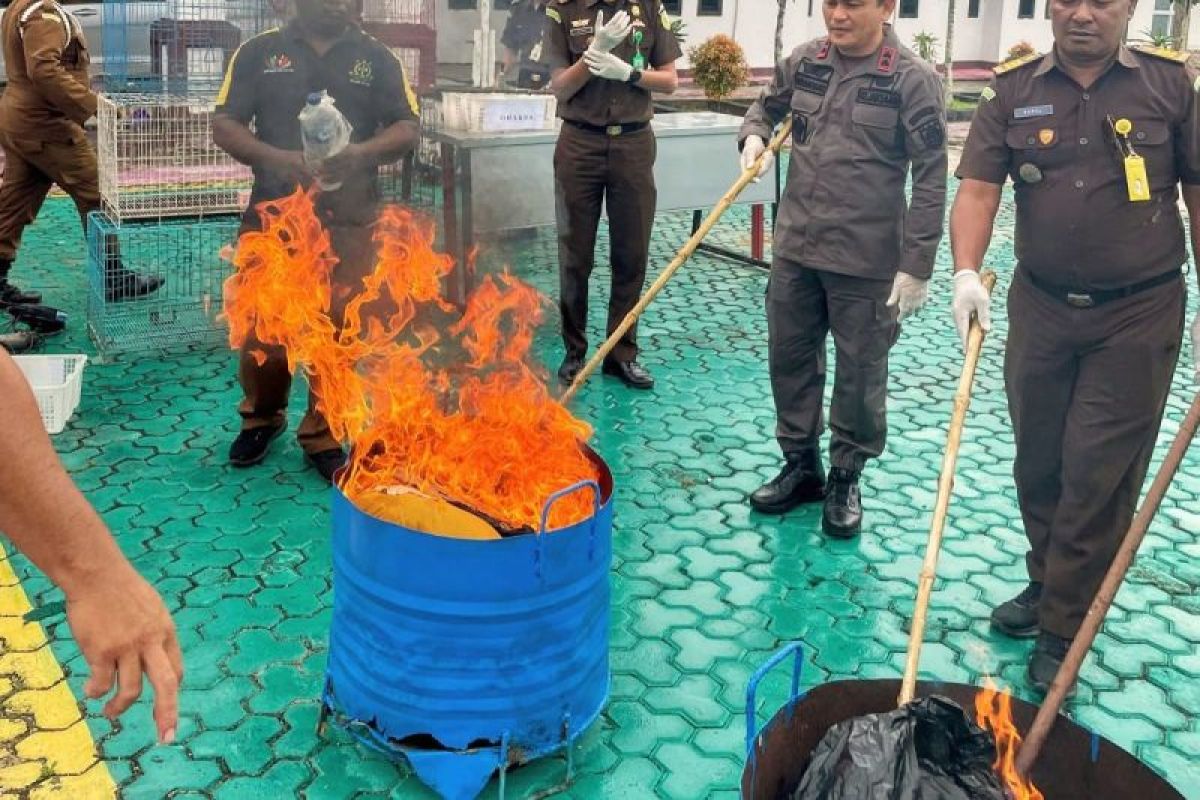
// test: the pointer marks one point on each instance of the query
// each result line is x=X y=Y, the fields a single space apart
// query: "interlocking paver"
x=703 y=589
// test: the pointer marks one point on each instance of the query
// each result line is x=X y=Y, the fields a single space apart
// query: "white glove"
x=909 y=293
x=752 y=148
x=608 y=66
x=610 y=35
x=1196 y=348
x=970 y=298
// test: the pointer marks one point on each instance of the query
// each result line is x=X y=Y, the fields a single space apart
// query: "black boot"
x=802 y=480
x=1048 y=655
x=1018 y=617
x=123 y=284
x=10 y=295
x=843 y=505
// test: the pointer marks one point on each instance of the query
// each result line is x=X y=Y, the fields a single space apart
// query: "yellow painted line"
x=46 y=749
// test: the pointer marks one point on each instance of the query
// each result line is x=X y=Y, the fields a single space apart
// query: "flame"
x=429 y=396
x=993 y=712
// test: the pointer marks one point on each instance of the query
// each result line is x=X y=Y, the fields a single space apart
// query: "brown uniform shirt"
x=1076 y=226
x=48 y=96
x=569 y=30
x=857 y=126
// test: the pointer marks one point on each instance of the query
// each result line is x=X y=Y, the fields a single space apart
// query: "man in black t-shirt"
x=268 y=81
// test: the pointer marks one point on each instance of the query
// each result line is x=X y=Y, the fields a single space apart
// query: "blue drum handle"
x=551 y=500
x=751 y=688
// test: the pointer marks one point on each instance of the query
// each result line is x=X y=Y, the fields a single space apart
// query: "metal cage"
x=187 y=254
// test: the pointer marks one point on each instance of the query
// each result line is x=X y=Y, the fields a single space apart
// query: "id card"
x=1136 y=180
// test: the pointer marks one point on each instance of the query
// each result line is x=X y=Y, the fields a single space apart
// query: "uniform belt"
x=608 y=130
x=1090 y=298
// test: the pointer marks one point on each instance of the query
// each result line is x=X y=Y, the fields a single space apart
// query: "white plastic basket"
x=498 y=111
x=56 y=382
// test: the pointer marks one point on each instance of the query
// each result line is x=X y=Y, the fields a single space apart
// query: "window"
x=673 y=7
x=1048 y=2
x=810 y=7
x=908 y=8
x=1160 y=23
x=461 y=5
x=973 y=9
x=709 y=8
x=1025 y=9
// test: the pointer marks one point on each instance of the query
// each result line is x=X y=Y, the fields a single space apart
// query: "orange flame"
x=993 y=712
x=463 y=415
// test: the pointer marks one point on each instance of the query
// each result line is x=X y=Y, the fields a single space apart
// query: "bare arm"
x=117 y=619
x=566 y=83
x=236 y=138
x=971 y=220
x=664 y=79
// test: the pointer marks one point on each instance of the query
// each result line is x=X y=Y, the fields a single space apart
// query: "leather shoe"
x=842 y=516
x=12 y=296
x=250 y=446
x=802 y=480
x=328 y=462
x=1047 y=657
x=123 y=284
x=1018 y=617
x=631 y=373
x=570 y=369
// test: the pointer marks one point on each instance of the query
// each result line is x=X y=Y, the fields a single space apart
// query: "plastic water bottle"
x=324 y=131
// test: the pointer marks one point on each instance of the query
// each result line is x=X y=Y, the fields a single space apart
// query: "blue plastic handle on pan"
x=552 y=499
x=751 y=688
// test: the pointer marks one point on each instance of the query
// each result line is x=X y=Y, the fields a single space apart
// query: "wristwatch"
x=634 y=76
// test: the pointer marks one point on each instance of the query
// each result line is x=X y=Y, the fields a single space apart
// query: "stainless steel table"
x=494 y=182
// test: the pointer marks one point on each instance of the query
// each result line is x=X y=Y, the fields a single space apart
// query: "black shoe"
x=327 y=462
x=842 y=517
x=17 y=341
x=1047 y=657
x=1018 y=617
x=250 y=446
x=12 y=296
x=802 y=480
x=570 y=368
x=631 y=373
x=123 y=284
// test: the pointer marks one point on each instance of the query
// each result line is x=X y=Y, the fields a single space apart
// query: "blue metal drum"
x=465 y=656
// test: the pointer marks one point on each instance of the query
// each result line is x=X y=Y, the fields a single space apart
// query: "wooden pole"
x=682 y=256
x=1069 y=670
x=962 y=399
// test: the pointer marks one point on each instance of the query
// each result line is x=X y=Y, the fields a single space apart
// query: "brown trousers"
x=1086 y=391
x=590 y=169
x=803 y=307
x=31 y=167
x=266 y=386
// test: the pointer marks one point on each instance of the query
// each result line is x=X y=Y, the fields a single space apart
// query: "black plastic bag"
x=928 y=750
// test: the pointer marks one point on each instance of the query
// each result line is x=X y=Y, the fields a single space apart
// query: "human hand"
x=292 y=166
x=124 y=632
x=607 y=66
x=609 y=35
x=342 y=164
x=752 y=148
x=970 y=297
x=909 y=293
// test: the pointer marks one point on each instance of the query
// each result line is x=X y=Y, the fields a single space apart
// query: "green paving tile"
x=704 y=589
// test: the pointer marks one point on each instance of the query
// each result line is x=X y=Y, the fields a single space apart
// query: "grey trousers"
x=803 y=306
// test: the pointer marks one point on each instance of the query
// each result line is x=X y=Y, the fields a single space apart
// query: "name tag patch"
x=879 y=97
x=1032 y=112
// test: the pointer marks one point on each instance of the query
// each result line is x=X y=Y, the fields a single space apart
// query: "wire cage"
x=409 y=29
x=157 y=159
x=187 y=254
x=181 y=46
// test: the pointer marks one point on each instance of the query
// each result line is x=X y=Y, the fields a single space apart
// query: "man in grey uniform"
x=850 y=256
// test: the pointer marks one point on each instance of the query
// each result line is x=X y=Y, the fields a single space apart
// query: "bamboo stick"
x=962 y=399
x=1069 y=671
x=682 y=256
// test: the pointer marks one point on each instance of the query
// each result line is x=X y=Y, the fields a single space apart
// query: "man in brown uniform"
x=267 y=84
x=849 y=255
x=1096 y=139
x=603 y=74
x=46 y=102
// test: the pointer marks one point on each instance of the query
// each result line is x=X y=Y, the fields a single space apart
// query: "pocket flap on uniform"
x=806 y=102
x=875 y=116
x=1148 y=132
x=1031 y=137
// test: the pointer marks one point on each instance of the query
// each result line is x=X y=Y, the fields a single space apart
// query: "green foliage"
x=719 y=67
x=679 y=28
x=1019 y=50
x=926 y=45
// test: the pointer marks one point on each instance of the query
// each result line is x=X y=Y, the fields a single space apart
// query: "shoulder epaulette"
x=1178 y=56
x=1020 y=61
